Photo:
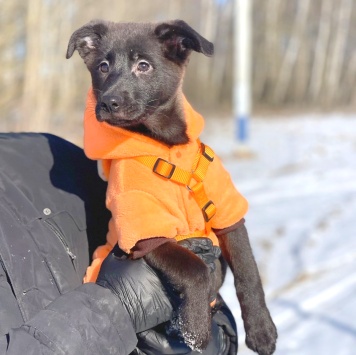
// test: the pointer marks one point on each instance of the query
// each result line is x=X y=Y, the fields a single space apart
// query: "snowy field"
x=301 y=186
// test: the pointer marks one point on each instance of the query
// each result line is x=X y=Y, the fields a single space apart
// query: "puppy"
x=164 y=185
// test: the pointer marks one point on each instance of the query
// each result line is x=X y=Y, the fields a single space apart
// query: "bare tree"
x=321 y=50
x=337 y=51
x=292 y=52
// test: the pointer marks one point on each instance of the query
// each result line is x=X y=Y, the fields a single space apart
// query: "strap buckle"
x=164 y=168
x=209 y=211
x=207 y=152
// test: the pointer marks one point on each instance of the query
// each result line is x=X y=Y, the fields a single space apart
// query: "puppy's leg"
x=261 y=333
x=189 y=276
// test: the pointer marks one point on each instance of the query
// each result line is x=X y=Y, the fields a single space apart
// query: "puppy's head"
x=137 y=71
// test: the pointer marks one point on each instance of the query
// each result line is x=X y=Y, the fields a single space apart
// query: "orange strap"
x=180 y=176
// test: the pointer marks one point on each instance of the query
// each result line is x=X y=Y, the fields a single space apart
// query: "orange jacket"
x=145 y=205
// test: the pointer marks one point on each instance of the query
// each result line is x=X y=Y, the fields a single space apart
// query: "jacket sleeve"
x=231 y=206
x=88 y=320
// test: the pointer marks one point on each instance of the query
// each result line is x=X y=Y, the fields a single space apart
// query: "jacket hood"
x=103 y=141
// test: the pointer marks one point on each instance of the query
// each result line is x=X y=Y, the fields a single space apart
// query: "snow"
x=300 y=180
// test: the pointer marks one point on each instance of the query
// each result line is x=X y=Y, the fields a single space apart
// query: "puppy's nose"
x=111 y=103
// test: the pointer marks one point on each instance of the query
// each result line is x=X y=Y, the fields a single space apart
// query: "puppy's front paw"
x=261 y=334
x=195 y=327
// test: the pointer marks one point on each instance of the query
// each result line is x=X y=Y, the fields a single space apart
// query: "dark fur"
x=137 y=72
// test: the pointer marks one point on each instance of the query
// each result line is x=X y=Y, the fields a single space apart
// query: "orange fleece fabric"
x=145 y=205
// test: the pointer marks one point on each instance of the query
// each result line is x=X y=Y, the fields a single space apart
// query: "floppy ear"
x=179 y=39
x=86 y=38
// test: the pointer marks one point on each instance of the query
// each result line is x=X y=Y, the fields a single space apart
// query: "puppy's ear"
x=179 y=39
x=86 y=38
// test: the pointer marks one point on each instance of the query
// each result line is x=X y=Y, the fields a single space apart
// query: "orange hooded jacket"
x=145 y=205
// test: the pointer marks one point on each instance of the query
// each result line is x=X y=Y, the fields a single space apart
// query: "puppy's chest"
x=131 y=175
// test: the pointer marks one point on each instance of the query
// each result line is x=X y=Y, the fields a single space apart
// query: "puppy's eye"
x=143 y=66
x=104 y=67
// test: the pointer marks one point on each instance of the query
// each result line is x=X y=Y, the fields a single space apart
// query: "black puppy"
x=137 y=72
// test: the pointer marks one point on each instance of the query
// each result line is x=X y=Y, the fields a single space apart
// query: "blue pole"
x=242 y=128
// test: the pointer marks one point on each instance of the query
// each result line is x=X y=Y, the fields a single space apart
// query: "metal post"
x=242 y=68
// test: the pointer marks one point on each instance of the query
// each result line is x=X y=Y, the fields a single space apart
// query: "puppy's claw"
x=262 y=338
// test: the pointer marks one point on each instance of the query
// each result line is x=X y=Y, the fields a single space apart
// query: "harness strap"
x=180 y=176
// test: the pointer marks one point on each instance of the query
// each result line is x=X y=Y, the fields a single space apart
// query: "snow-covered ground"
x=300 y=181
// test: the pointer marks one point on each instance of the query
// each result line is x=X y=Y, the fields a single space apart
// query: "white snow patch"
x=301 y=186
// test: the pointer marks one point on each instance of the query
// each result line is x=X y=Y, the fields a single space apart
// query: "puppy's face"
x=137 y=71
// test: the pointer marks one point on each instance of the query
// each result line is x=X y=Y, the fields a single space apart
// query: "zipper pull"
x=72 y=256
